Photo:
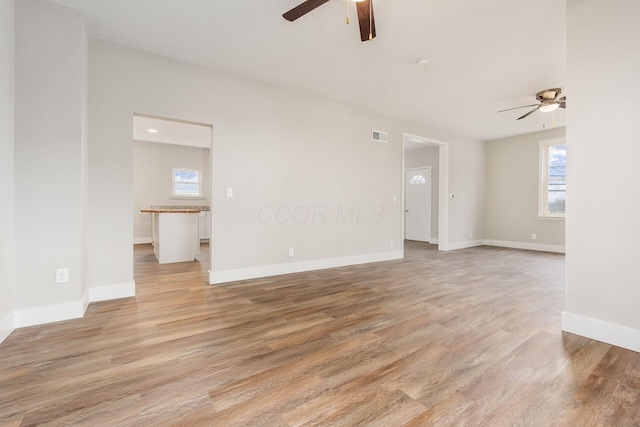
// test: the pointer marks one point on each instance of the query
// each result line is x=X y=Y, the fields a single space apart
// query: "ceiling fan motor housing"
x=548 y=95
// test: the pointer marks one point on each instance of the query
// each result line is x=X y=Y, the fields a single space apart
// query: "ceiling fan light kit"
x=550 y=100
x=547 y=108
x=366 y=18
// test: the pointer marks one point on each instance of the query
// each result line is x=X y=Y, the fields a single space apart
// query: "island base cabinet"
x=176 y=237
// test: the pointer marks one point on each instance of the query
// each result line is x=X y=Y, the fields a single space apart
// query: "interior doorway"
x=417 y=189
x=426 y=221
x=172 y=173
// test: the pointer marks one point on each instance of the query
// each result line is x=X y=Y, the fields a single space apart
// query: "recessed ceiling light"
x=152 y=130
x=423 y=63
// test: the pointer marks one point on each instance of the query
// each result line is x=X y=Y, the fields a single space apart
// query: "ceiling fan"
x=365 y=15
x=550 y=100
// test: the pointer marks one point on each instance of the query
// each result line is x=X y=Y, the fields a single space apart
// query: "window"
x=186 y=182
x=553 y=178
x=417 y=179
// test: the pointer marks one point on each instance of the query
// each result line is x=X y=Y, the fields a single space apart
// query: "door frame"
x=211 y=158
x=443 y=187
x=430 y=204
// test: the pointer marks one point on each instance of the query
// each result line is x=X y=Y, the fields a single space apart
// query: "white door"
x=417 y=187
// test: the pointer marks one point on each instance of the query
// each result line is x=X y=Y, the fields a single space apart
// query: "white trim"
x=525 y=245
x=142 y=240
x=104 y=293
x=443 y=198
x=7 y=325
x=85 y=302
x=433 y=240
x=179 y=197
x=65 y=311
x=465 y=244
x=48 y=314
x=443 y=188
x=599 y=330
x=224 y=276
x=553 y=218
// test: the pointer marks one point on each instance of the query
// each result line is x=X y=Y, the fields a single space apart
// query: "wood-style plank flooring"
x=469 y=337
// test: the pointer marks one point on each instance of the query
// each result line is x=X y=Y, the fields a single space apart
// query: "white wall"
x=153 y=166
x=50 y=98
x=427 y=156
x=6 y=167
x=277 y=149
x=603 y=206
x=466 y=184
x=511 y=200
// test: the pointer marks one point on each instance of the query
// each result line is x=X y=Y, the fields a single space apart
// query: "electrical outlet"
x=394 y=198
x=470 y=234
x=392 y=243
x=62 y=275
x=290 y=252
x=534 y=237
x=229 y=192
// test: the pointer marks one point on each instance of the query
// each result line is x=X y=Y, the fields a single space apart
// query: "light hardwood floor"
x=469 y=337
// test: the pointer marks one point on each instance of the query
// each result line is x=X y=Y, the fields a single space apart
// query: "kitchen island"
x=175 y=235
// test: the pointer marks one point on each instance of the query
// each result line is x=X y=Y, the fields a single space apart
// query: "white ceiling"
x=171 y=132
x=484 y=55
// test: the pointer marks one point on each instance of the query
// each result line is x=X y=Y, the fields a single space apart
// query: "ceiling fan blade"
x=302 y=9
x=528 y=114
x=366 y=20
x=516 y=108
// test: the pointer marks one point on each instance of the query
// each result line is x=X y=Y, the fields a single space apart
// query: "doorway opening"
x=425 y=184
x=171 y=174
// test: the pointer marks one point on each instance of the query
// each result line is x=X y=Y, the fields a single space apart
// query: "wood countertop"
x=169 y=211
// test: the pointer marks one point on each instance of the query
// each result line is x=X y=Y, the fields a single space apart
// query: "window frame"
x=543 y=179
x=174 y=182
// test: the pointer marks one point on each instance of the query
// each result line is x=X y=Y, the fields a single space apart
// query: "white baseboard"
x=66 y=311
x=7 y=325
x=224 y=276
x=464 y=245
x=433 y=240
x=85 y=301
x=599 y=330
x=48 y=314
x=142 y=240
x=525 y=245
x=104 y=293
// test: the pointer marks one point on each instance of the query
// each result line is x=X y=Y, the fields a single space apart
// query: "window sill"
x=176 y=197
x=554 y=218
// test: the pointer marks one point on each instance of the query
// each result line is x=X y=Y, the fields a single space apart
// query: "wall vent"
x=379 y=136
